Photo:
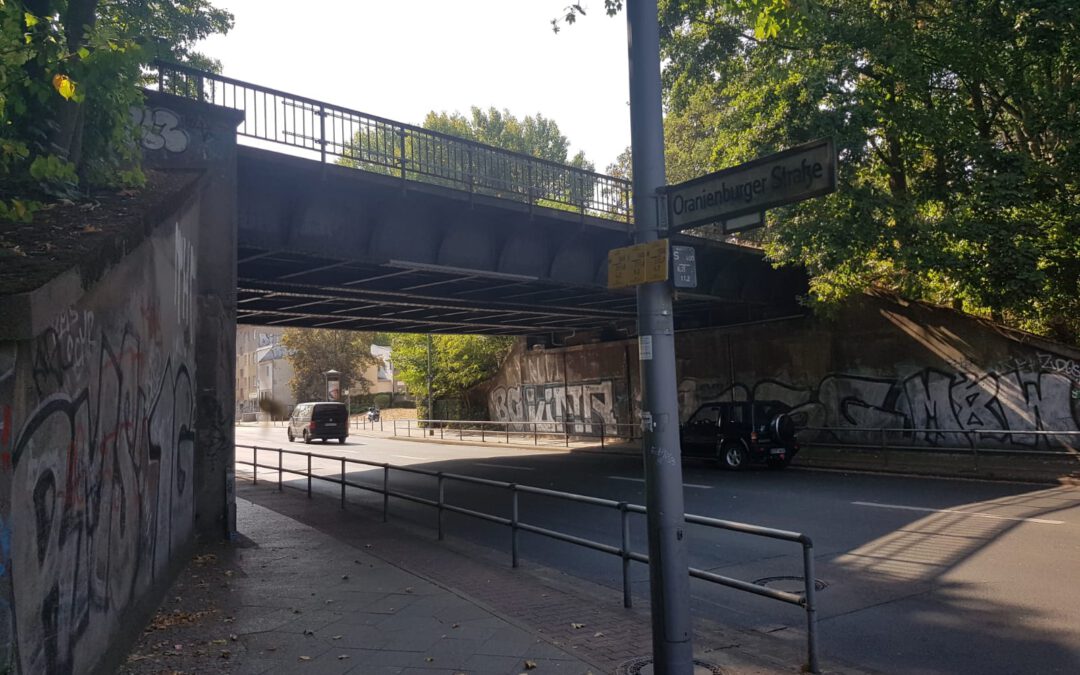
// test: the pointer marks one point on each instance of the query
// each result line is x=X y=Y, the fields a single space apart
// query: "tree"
x=533 y=135
x=69 y=72
x=443 y=160
x=459 y=362
x=957 y=134
x=313 y=351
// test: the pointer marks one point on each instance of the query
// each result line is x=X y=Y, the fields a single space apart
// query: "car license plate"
x=776 y=451
x=331 y=424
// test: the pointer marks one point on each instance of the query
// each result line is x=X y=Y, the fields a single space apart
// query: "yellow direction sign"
x=638 y=264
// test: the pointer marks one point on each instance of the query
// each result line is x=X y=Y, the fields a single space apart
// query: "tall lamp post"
x=669 y=578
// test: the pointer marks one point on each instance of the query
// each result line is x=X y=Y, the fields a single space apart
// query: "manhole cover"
x=790 y=584
x=643 y=665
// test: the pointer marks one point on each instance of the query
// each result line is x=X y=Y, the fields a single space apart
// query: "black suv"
x=736 y=433
x=319 y=420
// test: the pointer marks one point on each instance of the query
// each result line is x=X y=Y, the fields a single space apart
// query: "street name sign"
x=738 y=196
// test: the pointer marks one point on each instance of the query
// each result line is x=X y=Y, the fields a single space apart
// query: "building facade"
x=263 y=372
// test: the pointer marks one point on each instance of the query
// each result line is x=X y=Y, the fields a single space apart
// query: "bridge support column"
x=199 y=137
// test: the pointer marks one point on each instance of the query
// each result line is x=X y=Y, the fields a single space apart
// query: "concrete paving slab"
x=289 y=599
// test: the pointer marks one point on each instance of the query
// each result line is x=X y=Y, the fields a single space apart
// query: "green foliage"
x=957 y=134
x=70 y=71
x=313 y=351
x=385 y=151
x=536 y=136
x=459 y=362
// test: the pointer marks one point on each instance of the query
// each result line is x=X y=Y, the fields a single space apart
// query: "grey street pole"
x=669 y=578
x=430 y=410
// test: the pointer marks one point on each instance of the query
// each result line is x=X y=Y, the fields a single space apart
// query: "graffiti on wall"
x=102 y=476
x=60 y=353
x=160 y=128
x=580 y=408
x=948 y=406
x=185 y=282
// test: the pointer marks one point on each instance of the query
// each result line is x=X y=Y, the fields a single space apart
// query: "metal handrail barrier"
x=807 y=601
x=571 y=429
x=373 y=143
x=975 y=444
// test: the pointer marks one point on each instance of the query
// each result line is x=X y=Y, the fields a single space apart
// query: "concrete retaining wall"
x=882 y=362
x=98 y=454
x=116 y=427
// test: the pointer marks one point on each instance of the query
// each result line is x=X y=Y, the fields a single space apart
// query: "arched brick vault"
x=333 y=247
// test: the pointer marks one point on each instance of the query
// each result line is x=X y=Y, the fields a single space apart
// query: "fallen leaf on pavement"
x=305 y=658
x=342 y=657
x=598 y=634
x=336 y=637
x=529 y=665
x=308 y=631
x=429 y=659
x=577 y=626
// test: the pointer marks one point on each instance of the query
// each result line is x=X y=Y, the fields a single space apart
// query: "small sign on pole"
x=684 y=260
x=638 y=264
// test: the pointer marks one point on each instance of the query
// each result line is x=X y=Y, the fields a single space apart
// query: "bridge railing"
x=334 y=134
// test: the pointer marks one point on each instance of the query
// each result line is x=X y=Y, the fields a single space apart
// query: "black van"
x=323 y=420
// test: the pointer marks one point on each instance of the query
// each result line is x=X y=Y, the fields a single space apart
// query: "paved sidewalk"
x=584 y=619
x=290 y=599
x=312 y=588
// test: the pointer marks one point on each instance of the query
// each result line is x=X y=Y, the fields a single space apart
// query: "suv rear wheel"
x=732 y=455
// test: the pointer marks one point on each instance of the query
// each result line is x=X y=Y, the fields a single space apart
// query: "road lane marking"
x=642 y=480
x=505 y=466
x=424 y=459
x=974 y=514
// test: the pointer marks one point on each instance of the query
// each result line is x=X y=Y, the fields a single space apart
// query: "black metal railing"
x=562 y=432
x=807 y=600
x=338 y=135
x=974 y=442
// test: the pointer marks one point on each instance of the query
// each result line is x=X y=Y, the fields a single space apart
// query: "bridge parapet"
x=333 y=134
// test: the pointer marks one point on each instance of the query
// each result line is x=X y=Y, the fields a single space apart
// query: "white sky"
x=403 y=58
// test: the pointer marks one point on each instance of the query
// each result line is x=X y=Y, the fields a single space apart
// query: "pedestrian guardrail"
x=485 y=431
x=334 y=134
x=975 y=442
x=807 y=600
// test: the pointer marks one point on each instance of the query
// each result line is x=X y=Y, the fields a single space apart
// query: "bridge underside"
x=330 y=247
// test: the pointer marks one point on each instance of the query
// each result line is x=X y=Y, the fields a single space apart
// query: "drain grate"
x=790 y=584
x=643 y=665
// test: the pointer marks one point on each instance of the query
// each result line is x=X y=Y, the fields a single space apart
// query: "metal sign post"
x=669 y=577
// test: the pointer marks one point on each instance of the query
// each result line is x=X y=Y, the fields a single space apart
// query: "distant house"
x=263 y=371
x=380 y=375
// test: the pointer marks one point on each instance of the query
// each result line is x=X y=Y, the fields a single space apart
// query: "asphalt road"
x=921 y=575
